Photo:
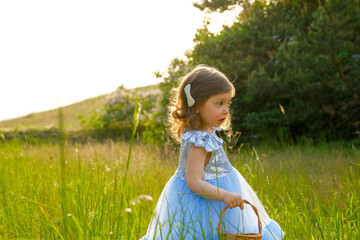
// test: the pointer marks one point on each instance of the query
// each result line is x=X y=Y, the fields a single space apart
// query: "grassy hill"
x=48 y=119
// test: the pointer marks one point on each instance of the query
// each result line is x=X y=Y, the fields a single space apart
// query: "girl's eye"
x=219 y=103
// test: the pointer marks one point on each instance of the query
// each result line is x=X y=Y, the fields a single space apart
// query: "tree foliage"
x=303 y=56
x=218 y=5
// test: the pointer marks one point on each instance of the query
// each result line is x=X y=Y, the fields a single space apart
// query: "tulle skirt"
x=181 y=214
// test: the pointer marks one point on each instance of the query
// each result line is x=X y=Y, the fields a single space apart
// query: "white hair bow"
x=190 y=100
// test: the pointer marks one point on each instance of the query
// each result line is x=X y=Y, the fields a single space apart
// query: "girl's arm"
x=194 y=175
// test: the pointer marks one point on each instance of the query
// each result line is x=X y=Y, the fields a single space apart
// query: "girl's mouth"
x=222 y=120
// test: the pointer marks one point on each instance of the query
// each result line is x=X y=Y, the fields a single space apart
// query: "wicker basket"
x=243 y=236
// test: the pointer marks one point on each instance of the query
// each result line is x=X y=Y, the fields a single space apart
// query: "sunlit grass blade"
x=63 y=178
x=135 y=123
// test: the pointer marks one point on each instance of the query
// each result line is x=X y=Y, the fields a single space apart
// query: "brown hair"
x=205 y=82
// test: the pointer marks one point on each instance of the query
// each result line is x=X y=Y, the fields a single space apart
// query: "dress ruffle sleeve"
x=201 y=138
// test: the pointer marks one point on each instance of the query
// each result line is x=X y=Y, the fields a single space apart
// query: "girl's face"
x=214 y=111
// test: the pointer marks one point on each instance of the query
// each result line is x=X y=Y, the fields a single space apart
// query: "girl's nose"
x=226 y=109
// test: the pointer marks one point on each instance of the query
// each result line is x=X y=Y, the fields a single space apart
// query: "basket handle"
x=253 y=207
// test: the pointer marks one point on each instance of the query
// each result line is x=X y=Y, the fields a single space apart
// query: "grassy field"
x=311 y=190
x=109 y=190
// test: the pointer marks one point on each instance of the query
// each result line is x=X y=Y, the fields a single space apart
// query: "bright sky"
x=59 y=52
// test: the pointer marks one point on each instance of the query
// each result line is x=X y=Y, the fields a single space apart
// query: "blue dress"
x=182 y=214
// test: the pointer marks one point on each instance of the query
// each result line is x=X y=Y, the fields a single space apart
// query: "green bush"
x=116 y=117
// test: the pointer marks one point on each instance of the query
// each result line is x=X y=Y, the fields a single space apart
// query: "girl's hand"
x=233 y=200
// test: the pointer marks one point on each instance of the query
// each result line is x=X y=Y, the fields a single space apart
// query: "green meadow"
x=69 y=173
x=83 y=190
x=108 y=189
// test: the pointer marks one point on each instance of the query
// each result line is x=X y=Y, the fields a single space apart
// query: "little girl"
x=205 y=182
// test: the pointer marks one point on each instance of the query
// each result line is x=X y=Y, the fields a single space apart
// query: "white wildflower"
x=145 y=197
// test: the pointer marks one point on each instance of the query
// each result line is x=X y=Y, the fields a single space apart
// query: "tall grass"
x=312 y=192
x=31 y=199
x=109 y=190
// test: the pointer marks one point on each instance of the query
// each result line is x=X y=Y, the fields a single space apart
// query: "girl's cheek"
x=217 y=113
